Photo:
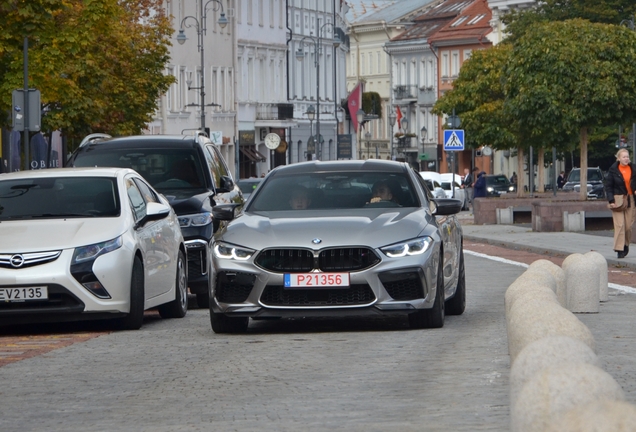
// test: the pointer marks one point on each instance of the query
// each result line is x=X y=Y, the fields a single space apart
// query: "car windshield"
x=446 y=186
x=497 y=180
x=592 y=175
x=57 y=197
x=248 y=186
x=165 y=169
x=335 y=190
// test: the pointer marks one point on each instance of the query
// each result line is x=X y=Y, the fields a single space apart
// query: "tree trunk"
x=521 y=178
x=583 y=193
x=541 y=179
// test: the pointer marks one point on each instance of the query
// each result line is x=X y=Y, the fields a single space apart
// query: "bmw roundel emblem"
x=316 y=241
x=17 y=260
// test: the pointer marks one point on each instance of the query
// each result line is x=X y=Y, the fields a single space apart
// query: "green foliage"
x=98 y=64
x=563 y=76
x=477 y=97
x=372 y=103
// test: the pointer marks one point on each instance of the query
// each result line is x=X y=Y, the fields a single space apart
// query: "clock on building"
x=272 y=141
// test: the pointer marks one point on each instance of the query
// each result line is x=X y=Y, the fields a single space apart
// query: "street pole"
x=26 y=104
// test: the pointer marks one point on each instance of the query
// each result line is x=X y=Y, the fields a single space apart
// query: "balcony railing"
x=275 y=111
x=402 y=92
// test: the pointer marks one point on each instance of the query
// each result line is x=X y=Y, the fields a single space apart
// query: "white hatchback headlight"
x=490 y=189
x=91 y=252
x=200 y=219
x=228 y=251
x=408 y=248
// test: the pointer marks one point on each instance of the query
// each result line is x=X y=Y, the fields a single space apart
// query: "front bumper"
x=399 y=285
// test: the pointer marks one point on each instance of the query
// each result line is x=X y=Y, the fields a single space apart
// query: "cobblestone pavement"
x=318 y=374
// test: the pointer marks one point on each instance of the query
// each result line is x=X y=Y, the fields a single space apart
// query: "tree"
x=99 y=65
x=565 y=78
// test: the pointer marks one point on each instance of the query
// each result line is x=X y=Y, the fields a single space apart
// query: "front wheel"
x=224 y=324
x=135 y=317
x=457 y=304
x=433 y=317
x=178 y=307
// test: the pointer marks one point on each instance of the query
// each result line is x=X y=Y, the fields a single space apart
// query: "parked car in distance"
x=189 y=171
x=458 y=193
x=433 y=181
x=498 y=184
x=595 y=182
x=248 y=186
x=339 y=238
x=88 y=243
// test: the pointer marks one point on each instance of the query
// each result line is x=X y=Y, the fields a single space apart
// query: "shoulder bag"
x=621 y=203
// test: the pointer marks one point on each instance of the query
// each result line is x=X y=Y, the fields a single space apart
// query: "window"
x=455 y=63
x=445 y=65
x=459 y=21
x=136 y=200
x=476 y=19
x=467 y=53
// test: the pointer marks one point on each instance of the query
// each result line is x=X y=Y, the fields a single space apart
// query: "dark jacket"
x=615 y=184
x=468 y=180
x=480 y=185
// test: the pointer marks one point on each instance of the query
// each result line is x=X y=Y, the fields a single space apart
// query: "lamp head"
x=367 y=135
x=392 y=118
x=336 y=38
x=300 y=54
x=423 y=132
x=222 y=21
x=311 y=112
x=181 y=37
x=405 y=125
x=360 y=116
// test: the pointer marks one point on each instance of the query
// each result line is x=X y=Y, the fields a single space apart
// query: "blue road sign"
x=453 y=139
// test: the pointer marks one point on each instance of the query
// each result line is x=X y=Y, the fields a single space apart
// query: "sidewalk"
x=521 y=237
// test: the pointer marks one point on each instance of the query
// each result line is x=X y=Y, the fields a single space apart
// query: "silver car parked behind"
x=338 y=238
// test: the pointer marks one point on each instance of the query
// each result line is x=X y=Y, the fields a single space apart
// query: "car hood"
x=184 y=202
x=22 y=236
x=372 y=227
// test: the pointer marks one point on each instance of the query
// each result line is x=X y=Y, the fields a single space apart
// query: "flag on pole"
x=354 y=103
x=399 y=117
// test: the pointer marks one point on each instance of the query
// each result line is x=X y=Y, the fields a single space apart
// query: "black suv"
x=189 y=171
x=595 y=182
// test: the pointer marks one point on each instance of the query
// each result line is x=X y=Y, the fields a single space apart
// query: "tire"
x=203 y=300
x=225 y=324
x=434 y=317
x=178 y=307
x=457 y=304
x=135 y=318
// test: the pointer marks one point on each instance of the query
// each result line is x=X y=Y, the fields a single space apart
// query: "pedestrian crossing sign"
x=453 y=139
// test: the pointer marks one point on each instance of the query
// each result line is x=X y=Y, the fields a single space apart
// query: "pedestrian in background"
x=480 y=185
x=561 y=180
x=620 y=185
x=513 y=179
x=467 y=184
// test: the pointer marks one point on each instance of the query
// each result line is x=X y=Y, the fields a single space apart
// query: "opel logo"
x=316 y=241
x=17 y=261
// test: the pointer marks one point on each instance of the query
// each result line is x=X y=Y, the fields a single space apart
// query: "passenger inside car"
x=384 y=190
x=299 y=198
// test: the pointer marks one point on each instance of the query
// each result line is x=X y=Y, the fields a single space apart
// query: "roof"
x=341 y=165
x=67 y=172
x=144 y=141
x=472 y=23
x=369 y=11
x=433 y=20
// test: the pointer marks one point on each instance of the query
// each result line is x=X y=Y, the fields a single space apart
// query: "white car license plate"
x=24 y=294
x=316 y=280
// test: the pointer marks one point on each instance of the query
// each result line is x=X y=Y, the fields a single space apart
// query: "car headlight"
x=408 y=248
x=91 y=252
x=511 y=189
x=228 y=251
x=490 y=189
x=200 y=219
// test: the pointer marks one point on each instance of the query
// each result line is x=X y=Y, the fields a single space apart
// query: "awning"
x=252 y=154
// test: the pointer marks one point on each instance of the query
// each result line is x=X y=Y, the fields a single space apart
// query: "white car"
x=433 y=181
x=460 y=193
x=88 y=243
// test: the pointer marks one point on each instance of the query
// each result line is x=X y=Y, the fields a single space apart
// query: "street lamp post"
x=201 y=28
x=367 y=137
x=360 y=117
x=300 y=54
x=423 y=133
x=311 y=114
x=392 y=119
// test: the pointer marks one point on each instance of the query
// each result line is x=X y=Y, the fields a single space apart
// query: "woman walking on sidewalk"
x=620 y=186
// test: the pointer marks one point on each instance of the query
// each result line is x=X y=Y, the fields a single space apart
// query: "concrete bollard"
x=557 y=273
x=606 y=416
x=536 y=292
x=547 y=352
x=535 y=319
x=601 y=263
x=522 y=286
x=556 y=390
x=582 y=285
x=570 y=259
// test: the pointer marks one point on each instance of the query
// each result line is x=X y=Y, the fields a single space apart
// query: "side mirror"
x=447 y=206
x=226 y=184
x=224 y=212
x=154 y=211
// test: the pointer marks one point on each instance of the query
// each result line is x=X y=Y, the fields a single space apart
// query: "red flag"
x=354 y=103
x=399 y=116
